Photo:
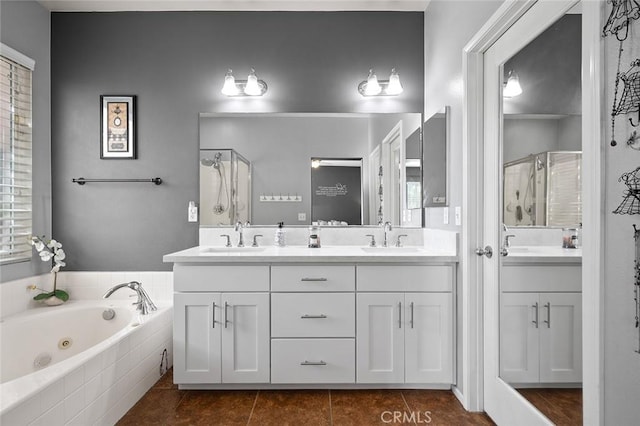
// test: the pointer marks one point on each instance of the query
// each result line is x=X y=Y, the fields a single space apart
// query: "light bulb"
x=252 y=88
x=373 y=87
x=394 y=87
x=229 y=88
x=512 y=88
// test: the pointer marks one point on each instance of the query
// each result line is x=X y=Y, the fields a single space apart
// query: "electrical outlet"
x=445 y=218
x=302 y=217
x=458 y=215
x=192 y=215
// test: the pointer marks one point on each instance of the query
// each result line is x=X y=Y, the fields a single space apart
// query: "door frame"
x=472 y=394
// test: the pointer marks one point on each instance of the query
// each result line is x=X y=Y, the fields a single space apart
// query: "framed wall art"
x=117 y=127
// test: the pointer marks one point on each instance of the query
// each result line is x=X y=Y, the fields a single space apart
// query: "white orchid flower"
x=60 y=255
x=45 y=255
x=57 y=266
x=53 y=244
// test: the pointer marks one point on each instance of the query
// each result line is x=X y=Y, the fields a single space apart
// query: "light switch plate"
x=445 y=218
x=302 y=217
x=458 y=215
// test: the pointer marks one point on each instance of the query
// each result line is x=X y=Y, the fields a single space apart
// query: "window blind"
x=15 y=161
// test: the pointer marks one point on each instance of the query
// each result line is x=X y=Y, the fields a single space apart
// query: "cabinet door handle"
x=226 y=319
x=535 y=309
x=399 y=314
x=321 y=362
x=411 y=322
x=548 y=320
x=310 y=279
x=307 y=316
x=213 y=315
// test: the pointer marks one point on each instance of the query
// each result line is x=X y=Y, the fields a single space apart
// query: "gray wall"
x=525 y=136
x=24 y=26
x=175 y=63
x=621 y=362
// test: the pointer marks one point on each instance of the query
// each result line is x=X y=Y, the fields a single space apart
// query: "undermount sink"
x=389 y=249
x=233 y=249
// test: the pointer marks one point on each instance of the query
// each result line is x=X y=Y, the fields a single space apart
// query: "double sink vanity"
x=339 y=315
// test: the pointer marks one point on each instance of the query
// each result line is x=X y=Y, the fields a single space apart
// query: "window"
x=15 y=156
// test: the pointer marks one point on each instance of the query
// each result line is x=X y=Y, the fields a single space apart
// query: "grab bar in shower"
x=82 y=181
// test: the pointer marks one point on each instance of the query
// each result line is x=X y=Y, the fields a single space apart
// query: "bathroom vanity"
x=541 y=317
x=298 y=317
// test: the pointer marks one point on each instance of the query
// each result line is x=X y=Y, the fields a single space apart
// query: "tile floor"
x=165 y=404
x=562 y=406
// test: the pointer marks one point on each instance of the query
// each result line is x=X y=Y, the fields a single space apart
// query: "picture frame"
x=117 y=127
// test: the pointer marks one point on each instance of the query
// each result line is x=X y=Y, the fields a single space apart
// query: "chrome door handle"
x=548 y=320
x=321 y=362
x=535 y=307
x=226 y=319
x=487 y=251
x=307 y=316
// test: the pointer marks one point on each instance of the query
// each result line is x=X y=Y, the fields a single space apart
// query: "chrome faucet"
x=387 y=228
x=143 y=304
x=239 y=228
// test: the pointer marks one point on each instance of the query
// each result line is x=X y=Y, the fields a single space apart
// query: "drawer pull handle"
x=309 y=279
x=226 y=319
x=535 y=309
x=213 y=315
x=411 y=322
x=399 y=314
x=548 y=320
x=321 y=362
x=307 y=316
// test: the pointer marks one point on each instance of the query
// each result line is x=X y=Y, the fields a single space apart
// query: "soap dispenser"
x=314 y=237
x=279 y=237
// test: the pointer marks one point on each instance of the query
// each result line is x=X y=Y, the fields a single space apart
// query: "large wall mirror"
x=280 y=148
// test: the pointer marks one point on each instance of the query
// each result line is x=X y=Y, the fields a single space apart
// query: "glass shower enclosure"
x=225 y=187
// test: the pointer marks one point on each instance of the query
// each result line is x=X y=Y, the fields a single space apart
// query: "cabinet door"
x=196 y=338
x=380 y=338
x=428 y=338
x=519 y=325
x=560 y=337
x=245 y=337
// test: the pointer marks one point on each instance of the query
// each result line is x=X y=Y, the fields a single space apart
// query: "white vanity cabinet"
x=313 y=324
x=405 y=324
x=221 y=336
x=541 y=324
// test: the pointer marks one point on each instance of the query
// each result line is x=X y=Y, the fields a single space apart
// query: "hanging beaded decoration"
x=636 y=284
x=618 y=23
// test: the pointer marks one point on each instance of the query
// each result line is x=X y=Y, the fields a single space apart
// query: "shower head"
x=207 y=162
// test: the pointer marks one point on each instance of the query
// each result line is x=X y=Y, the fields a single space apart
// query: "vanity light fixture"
x=374 y=87
x=252 y=86
x=512 y=86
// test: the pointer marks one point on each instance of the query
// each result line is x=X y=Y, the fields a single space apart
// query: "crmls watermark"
x=406 y=417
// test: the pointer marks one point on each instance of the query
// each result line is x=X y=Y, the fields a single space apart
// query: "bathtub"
x=69 y=365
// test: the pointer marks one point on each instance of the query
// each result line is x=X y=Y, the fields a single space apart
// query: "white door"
x=561 y=337
x=245 y=337
x=428 y=338
x=519 y=337
x=501 y=401
x=196 y=338
x=380 y=338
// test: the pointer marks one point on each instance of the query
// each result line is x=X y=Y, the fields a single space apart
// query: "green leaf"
x=43 y=296
x=62 y=295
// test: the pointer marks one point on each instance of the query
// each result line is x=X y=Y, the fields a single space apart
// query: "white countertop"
x=542 y=254
x=332 y=254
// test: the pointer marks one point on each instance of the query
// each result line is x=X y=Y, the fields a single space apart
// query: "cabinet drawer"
x=561 y=278
x=221 y=278
x=313 y=361
x=313 y=278
x=438 y=278
x=313 y=315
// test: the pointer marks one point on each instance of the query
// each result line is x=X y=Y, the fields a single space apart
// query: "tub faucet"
x=387 y=228
x=143 y=304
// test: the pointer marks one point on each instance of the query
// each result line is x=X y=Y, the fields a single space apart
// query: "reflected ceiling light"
x=374 y=87
x=252 y=86
x=512 y=86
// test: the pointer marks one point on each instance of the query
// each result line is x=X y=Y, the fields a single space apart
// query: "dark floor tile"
x=441 y=407
x=166 y=381
x=156 y=407
x=366 y=407
x=292 y=407
x=204 y=407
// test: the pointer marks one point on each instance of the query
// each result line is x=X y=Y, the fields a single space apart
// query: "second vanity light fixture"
x=252 y=86
x=374 y=87
x=512 y=87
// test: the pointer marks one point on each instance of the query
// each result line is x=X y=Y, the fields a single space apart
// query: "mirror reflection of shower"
x=225 y=187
